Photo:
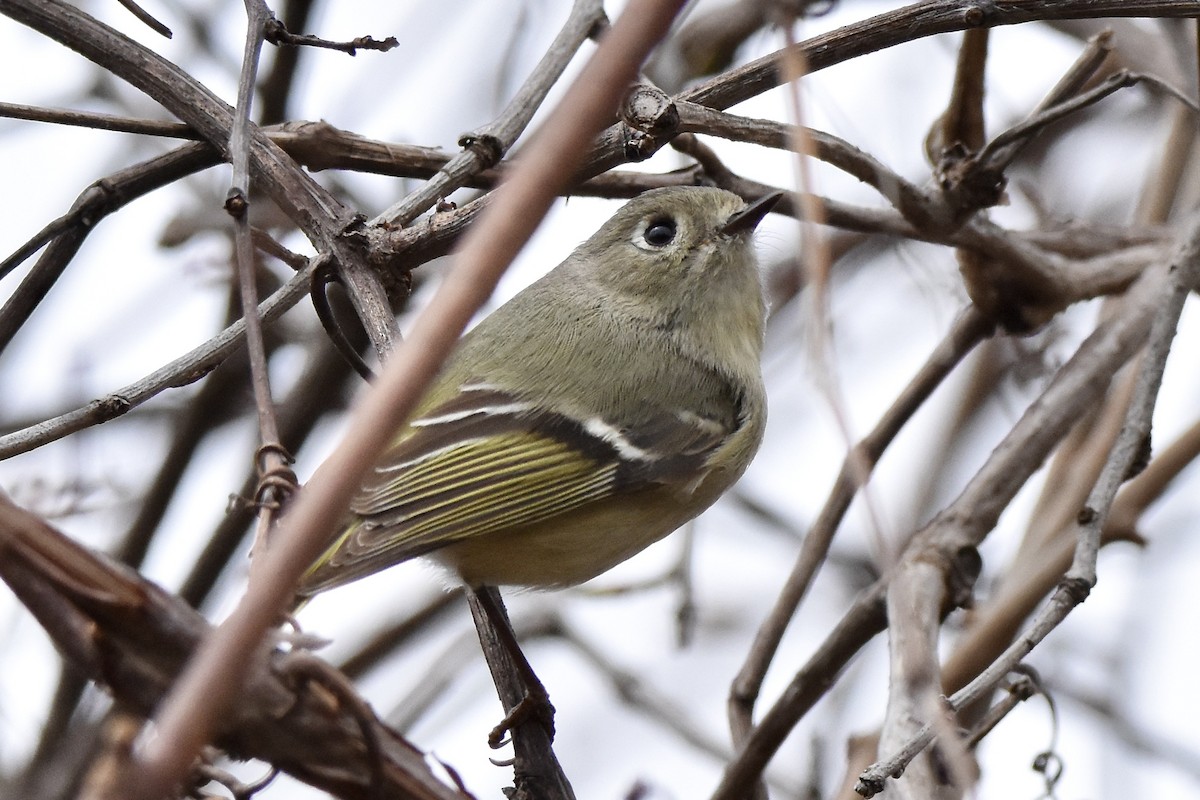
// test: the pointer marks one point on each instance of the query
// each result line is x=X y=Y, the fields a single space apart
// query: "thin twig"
x=1007 y=145
x=967 y=331
x=67 y=234
x=276 y=33
x=97 y=121
x=186 y=369
x=486 y=147
x=145 y=17
x=912 y=22
x=275 y=475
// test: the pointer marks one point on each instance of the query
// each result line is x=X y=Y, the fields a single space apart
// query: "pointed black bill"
x=748 y=218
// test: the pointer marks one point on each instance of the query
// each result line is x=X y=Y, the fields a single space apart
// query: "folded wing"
x=486 y=461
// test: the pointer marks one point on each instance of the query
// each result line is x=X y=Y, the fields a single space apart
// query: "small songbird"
x=597 y=411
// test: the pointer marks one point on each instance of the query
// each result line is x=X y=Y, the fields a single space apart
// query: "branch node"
x=965 y=567
x=276 y=480
x=650 y=110
x=651 y=116
x=638 y=146
x=236 y=202
x=869 y=787
x=275 y=32
x=1077 y=589
x=487 y=147
x=113 y=406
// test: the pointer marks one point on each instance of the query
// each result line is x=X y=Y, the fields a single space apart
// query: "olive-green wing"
x=486 y=461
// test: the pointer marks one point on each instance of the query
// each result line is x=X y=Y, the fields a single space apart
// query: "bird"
x=598 y=410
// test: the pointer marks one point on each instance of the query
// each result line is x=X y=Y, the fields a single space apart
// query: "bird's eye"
x=660 y=232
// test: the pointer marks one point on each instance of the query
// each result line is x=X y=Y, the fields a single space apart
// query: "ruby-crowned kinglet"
x=594 y=413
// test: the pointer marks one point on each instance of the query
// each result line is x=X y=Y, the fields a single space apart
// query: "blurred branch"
x=633 y=690
x=320 y=389
x=486 y=147
x=1076 y=466
x=994 y=624
x=1152 y=310
x=1150 y=485
x=955 y=531
x=133 y=638
x=388 y=640
x=968 y=330
x=67 y=234
x=187 y=368
x=436 y=677
x=707 y=41
x=1141 y=47
x=907 y=24
x=275 y=88
x=323 y=219
x=1140 y=736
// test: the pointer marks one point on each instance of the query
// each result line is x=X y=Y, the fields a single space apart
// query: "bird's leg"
x=519 y=687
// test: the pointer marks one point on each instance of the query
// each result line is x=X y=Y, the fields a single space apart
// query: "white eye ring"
x=657 y=233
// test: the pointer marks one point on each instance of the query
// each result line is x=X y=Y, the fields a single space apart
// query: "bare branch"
x=1159 y=300
x=134 y=638
x=486 y=147
x=968 y=331
x=907 y=24
x=186 y=369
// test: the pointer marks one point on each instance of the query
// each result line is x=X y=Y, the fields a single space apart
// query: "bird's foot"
x=535 y=706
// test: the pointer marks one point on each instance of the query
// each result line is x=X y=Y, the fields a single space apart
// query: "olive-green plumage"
x=595 y=412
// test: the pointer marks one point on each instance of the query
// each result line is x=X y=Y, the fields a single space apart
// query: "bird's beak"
x=748 y=218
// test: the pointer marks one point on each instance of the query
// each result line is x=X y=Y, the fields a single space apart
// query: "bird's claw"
x=535 y=705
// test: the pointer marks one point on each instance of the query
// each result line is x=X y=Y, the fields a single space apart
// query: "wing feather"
x=484 y=462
